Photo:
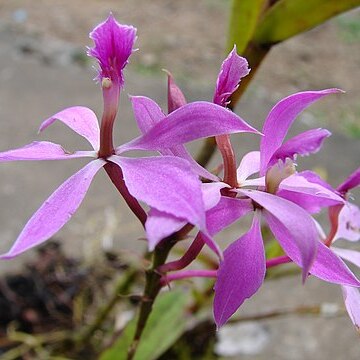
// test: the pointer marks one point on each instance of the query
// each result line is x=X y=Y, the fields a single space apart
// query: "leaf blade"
x=288 y=18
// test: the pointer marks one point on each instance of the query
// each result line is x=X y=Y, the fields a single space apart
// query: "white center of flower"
x=277 y=173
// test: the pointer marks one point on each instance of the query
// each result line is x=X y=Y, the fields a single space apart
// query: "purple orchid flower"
x=167 y=184
x=284 y=198
x=148 y=114
x=345 y=224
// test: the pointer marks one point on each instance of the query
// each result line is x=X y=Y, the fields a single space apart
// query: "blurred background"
x=44 y=68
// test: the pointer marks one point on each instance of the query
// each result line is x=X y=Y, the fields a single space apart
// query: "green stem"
x=153 y=284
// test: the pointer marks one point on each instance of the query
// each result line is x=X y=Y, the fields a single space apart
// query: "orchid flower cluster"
x=181 y=194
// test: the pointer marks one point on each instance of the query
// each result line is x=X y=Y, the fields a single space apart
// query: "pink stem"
x=277 y=261
x=186 y=259
x=165 y=280
x=111 y=92
x=227 y=152
x=116 y=177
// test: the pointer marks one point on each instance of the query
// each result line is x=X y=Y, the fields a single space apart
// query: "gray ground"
x=41 y=73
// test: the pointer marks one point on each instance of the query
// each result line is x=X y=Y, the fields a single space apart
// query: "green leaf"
x=244 y=15
x=291 y=17
x=166 y=324
x=273 y=249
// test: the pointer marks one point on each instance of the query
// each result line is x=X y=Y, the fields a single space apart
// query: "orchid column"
x=113 y=46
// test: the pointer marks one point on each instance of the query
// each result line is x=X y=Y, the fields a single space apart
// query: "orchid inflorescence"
x=181 y=194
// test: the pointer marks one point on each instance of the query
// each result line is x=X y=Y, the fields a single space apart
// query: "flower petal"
x=326 y=266
x=232 y=70
x=166 y=184
x=351 y=182
x=176 y=97
x=240 y=274
x=227 y=211
x=147 y=114
x=211 y=193
x=160 y=225
x=180 y=151
x=329 y=267
x=352 y=304
x=310 y=196
x=42 y=150
x=349 y=223
x=280 y=119
x=113 y=46
x=315 y=178
x=56 y=210
x=190 y=122
x=308 y=142
x=352 y=256
x=249 y=165
x=81 y=120
x=303 y=235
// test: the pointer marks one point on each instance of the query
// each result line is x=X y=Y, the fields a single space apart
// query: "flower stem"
x=180 y=275
x=277 y=261
x=116 y=177
x=224 y=144
x=111 y=92
x=334 y=212
x=153 y=284
x=186 y=259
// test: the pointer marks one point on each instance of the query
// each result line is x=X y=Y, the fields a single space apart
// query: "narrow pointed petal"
x=352 y=256
x=326 y=266
x=303 y=235
x=304 y=144
x=310 y=196
x=281 y=118
x=240 y=274
x=79 y=119
x=56 y=210
x=249 y=165
x=190 y=122
x=352 y=304
x=42 y=150
x=351 y=182
x=113 y=46
x=147 y=114
x=227 y=211
x=232 y=70
x=176 y=98
x=211 y=193
x=166 y=184
x=312 y=177
x=329 y=267
x=349 y=223
x=159 y=225
x=180 y=151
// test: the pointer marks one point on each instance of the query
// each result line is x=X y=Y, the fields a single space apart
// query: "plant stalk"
x=153 y=284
